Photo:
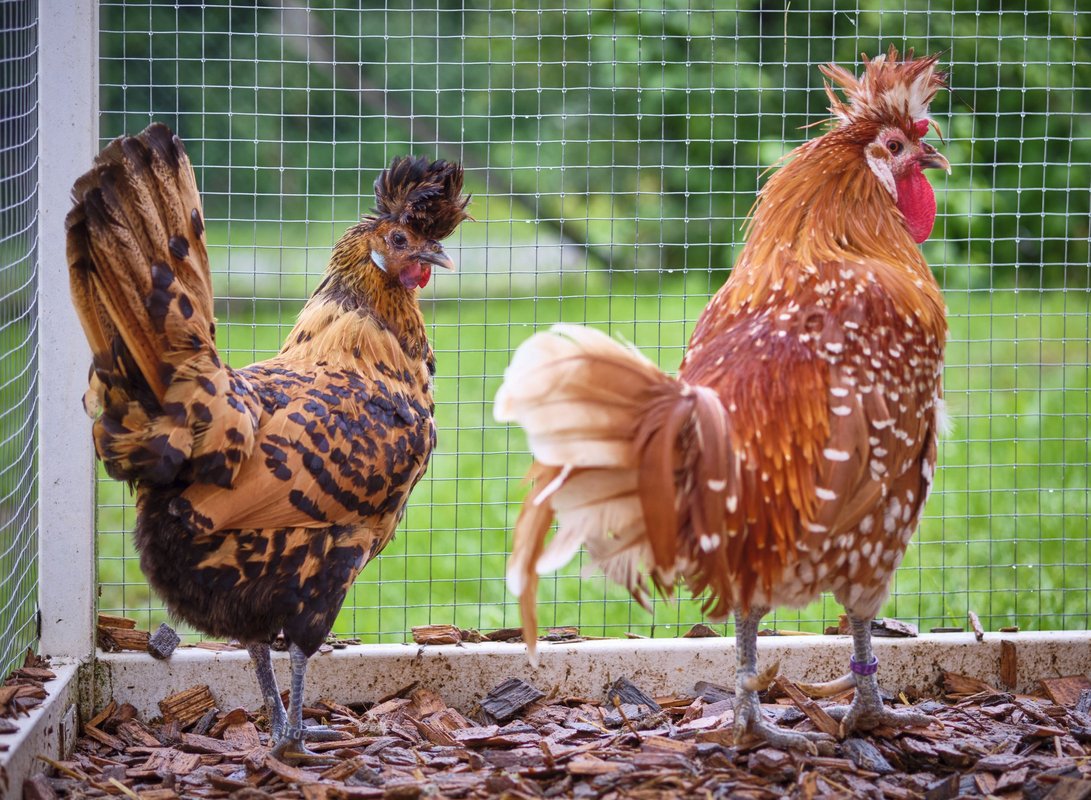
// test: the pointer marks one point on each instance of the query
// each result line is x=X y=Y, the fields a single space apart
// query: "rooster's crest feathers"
x=424 y=195
x=891 y=91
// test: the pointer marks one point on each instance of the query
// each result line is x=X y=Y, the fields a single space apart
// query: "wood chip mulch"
x=23 y=690
x=519 y=741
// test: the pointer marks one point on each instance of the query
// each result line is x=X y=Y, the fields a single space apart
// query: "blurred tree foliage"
x=638 y=129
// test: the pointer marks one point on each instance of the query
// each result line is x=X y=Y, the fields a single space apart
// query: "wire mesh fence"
x=613 y=154
x=18 y=331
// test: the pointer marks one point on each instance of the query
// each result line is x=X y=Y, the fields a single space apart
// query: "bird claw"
x=865 y=716
x=763 y=680
x=829 y=688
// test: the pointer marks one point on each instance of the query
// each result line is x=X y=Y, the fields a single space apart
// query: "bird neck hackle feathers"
x=354 y=290
x=414 y=195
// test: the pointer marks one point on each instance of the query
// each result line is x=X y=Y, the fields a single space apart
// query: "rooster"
x=261 y=492
x=795 y=450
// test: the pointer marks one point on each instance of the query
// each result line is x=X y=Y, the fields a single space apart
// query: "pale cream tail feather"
x=576 y=392
x=604 y=425
x=531 y=529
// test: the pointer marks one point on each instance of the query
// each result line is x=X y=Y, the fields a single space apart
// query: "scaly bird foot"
x=810 y=742
x=867 y=713
x=324 y=733
x=278 y=726
x=291 y=746
x=749 y=720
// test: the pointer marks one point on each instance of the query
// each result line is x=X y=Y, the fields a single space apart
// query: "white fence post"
x=67 y=141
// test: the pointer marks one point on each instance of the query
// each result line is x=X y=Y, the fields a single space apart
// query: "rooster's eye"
x=398 y=239
x=895 y=147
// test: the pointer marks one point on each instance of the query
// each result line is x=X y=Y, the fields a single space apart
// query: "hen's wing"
x=333 y=448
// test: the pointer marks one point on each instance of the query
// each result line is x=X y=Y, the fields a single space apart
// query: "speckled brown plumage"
x=795 y=451
x=262 y=492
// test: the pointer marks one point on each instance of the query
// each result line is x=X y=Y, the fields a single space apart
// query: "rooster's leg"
x=290 y=744
x=867 y=710
x=748 y=716
x=267 y=682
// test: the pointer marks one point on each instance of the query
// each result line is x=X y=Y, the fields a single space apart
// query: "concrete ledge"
x=49 y=730
x=463 y=673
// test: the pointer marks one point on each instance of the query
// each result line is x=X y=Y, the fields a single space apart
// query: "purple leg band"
x=866 y=668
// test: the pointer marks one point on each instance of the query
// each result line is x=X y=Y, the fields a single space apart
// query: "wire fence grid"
x=613 y=151
x=18 y=331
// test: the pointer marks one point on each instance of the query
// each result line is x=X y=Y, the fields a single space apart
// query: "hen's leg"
x=748 y=716
x=267 y=682
x=867 y=710
x=290 y=744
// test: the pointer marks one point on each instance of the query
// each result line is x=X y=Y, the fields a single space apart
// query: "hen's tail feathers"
x=634 y=465
x=140 y=281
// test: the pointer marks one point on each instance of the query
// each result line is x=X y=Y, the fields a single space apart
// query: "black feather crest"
x=423 y=195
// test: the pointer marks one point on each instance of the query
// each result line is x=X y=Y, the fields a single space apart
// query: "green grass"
x=1005 y=533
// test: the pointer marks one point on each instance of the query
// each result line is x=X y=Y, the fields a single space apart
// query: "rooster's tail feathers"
x=576 y=391
x=627 y=459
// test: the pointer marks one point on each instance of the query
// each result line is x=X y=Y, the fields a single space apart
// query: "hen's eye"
x=398 y=239
x=895 y=146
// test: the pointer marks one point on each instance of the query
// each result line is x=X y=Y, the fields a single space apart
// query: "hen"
x=796 y=448
x=261 y=492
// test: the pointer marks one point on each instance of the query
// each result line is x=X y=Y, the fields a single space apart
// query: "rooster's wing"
x=831 y=421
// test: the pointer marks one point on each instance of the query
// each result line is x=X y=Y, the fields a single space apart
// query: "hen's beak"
x=437 y=258
x=931 y=158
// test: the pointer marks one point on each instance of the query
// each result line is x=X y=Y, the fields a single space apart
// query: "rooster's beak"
x=438 y=258
x=931 y=158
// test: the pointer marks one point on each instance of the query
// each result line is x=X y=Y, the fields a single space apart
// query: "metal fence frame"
x=68 y=114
